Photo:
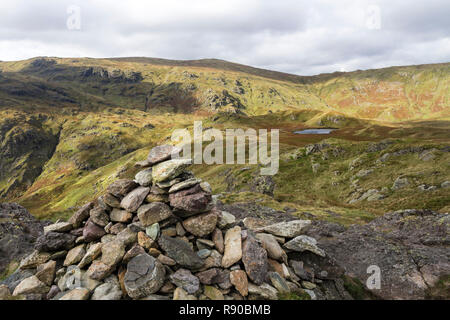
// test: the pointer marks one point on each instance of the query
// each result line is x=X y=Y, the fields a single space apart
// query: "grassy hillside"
x=68 y=127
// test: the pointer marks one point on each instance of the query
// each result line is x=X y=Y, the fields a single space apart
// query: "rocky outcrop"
x=18 y=232
x=168 y=238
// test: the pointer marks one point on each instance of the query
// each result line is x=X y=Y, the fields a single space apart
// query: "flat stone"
x=209 y=276
x=144 y=177
x=279 y=283
x=213 y=293
x=75 y=255
x=99 y=216
x=145 y=241
x=112 y=252
x=264 y=291
x=34 y=259
x=272 y=246
x=184 y=185
x=121 y=187
x=110 y=290
x=204 y=253
x=145 y=275
x=233 y=247
x=92 y=232
x=254 y=258
x=110 y=200
x=185 y=279
x=217 y=238
x=54 y=241
x=46 y=272
x=153 y=231
x=81 y=215
x=201 y=225
x=99 y=270
x=166 y=260
x=226 y=220
x=133 y=252
x=118 y=215
x=31 y=285
x=92 y=253
x=181 y=294
x=162 y=153
x=190 y=201
x=154 y=212
x=239 y=279
x=134 y=199
x=304 y=243
x=289 y=229
x=58 y=227
x=169 y=169
x=76 y=294
x=181 y=252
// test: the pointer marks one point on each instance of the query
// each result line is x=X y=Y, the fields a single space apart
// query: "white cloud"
x=303 y=37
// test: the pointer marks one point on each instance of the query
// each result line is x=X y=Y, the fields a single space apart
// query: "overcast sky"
x=302 y=37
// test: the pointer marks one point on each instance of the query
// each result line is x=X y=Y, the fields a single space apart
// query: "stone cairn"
x=161 y=237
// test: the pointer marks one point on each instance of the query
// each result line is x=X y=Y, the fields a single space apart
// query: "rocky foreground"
x=164 y=236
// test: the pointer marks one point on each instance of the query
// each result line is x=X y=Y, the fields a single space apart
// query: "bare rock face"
x=144 y=276
x=417 y=244
x=18 y=232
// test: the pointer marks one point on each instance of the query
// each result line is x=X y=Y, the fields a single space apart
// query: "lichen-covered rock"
x=201 y=225
x=190 y=201
x=254 y=258
x=144 y=276
x=154 y=212
x=144 y=177
x=120 y=188
x=161 y=153
x=304 y=243
x=31 y=285
x=133 y=200
x=54 y=241
x=181 y=252
x=169 y=169
x=288 y=229
x=185 y=279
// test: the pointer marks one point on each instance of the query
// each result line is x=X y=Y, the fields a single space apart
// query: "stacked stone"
x=160 y=236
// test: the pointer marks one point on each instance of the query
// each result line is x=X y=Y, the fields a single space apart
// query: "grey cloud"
x=303 y=37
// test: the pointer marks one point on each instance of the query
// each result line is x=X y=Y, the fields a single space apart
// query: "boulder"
x=92 y=253
x=272 y=246
x=288 y=229
x=75 y=255
x=58 y=227
x=76 y=294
